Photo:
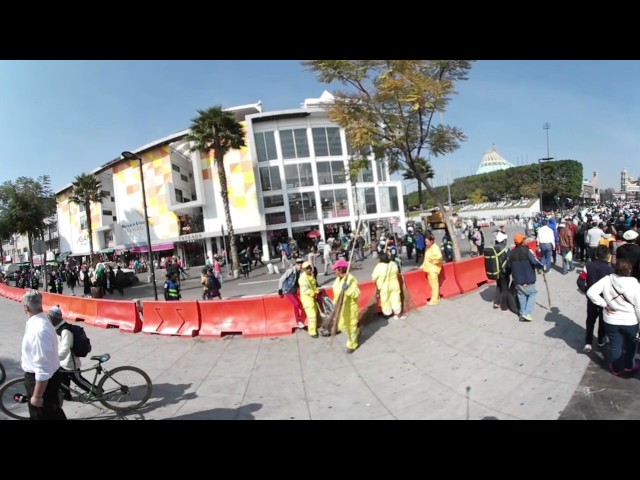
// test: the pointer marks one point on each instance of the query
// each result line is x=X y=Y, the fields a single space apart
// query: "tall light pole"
x=546 y=126
x=540 y=160
x=133 y=156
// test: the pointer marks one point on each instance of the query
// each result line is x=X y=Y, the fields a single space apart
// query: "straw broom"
x=331 y=323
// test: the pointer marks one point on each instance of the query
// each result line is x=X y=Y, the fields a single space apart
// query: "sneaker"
x=399 y=317
x=613 y=371
x=314 y=336
x=526 y=318
x=300 y=325
x=587 y=348
x=603 y=342
x=635 y=368
x=350 y=350
x=496 y=306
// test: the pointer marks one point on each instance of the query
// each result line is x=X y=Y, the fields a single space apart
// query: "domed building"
x=492 y=162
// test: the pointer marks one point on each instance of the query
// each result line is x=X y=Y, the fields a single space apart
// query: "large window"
x=330 y=173
x=274 y=201
x=178 y=195
x=276 y=218
x=334 y=203
x=270 y=178
x=382 y=171
x=303 y=206
x=366 y=200
x=265 y=146
x=389 y=199
x=294 y=143
x=366 y=174
x=326 y=141
x=298 y=175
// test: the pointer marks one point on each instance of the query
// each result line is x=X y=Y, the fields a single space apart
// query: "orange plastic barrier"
x=82 y=310
x=470 y=273
x=448 y=283
x=171 y=318
x=279 y=316
x=122 y=314
x=367 y=292
x=242 y=316
x=51 y=299
x=416 y=282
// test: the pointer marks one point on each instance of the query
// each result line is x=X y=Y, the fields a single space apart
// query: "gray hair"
x=33 y=300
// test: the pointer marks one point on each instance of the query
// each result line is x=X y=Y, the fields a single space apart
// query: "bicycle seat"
x=101 y=358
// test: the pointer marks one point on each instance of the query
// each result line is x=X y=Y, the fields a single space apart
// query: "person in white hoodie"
x=619 y=295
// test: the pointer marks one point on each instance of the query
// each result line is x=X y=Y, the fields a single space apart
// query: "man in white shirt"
x=546 y=244
x=592 y=240
x=40 y=361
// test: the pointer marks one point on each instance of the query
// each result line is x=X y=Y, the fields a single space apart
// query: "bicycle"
x=3 y=374
x=111 y=390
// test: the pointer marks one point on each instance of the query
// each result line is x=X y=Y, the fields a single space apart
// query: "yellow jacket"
x=432 y=259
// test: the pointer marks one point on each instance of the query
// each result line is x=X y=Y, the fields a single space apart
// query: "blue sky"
x=63 y=118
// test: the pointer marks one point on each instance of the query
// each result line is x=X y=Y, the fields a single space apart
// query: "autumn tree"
x=477 y=196
x=390 y=106
x=426 y=171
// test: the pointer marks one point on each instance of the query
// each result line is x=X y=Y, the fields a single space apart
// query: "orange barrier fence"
x=448 y=283
x=470 y=273
x=82 y=310
x=244 y=316
x=416 y=283
x=367 y=292
x=171 y=318
x=51 y=299
x=122 y=314
x=279 y=317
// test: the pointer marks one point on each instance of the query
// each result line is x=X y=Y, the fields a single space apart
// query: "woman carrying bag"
x=619 y=296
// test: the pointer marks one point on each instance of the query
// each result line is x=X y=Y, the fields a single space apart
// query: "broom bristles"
x=407 y=300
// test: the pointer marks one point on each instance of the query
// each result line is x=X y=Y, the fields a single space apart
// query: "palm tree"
x=426 y=172
x=87 y=188
x=218 y=130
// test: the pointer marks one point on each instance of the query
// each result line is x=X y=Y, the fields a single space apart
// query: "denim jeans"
x=566 y=266
x=621 y=338
x=545 y=255
x=527 y=298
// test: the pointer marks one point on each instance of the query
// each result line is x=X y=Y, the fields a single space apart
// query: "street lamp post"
x=133 y=156
x=540 y=160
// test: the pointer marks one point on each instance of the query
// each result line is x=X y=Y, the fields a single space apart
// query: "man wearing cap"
x=521 y=264
x=288 y=287
x=346 y=286
x=631 y=251
x=68 y=361
x=309 y=291
x=546 y=244
x=565 y=236
x=171 y=288
x=40 y=361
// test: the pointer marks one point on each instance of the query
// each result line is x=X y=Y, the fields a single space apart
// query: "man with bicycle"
x=40 y=361
x=68 y=361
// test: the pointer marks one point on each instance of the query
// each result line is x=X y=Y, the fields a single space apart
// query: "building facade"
x=290 y=179
x=629 y=187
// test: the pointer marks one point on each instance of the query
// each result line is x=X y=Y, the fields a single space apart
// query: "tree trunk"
x=87 y=208
x=30 y=242
x=447 y=220
x=235 y=259
x=420 y=202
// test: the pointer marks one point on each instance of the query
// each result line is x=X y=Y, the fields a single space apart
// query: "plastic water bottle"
x=20 y=398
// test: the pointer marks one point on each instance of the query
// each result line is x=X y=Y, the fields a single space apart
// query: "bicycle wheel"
x=8 y=405
x=124 y=389
x=3 y=374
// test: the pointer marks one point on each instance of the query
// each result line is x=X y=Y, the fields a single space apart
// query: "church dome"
x=492 y=162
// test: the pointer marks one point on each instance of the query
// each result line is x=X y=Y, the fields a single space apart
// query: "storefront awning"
x=63 y=256
x=107 y=250
x=155 y=248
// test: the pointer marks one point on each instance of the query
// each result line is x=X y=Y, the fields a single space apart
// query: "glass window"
x=184 y=178
x=306 y=175
x=302 y=207
x=286 y=143
x=339 y=172
x=270 y=178
x=291 y=175
x=275 y=218
x=107 y=212
x=381 y=169
x=178 y=195
x=175 y=167
x=324 y=173
x=320 y=142
x=335 y=144
x=265 y=146
x=334 y=203
x=366 y=174
x=274 y=201
x=302 y=144
x=366 y=200
x=389 y=199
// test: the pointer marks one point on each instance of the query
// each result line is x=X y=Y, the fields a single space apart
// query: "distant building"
x=591 y=189
x=629 y=188
x=492 y=162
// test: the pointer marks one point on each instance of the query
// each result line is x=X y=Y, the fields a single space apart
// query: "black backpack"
x=494 y=262
x=81 y=343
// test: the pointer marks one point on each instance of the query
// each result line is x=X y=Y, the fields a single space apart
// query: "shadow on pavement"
x=242 y=413
x=565 y=329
